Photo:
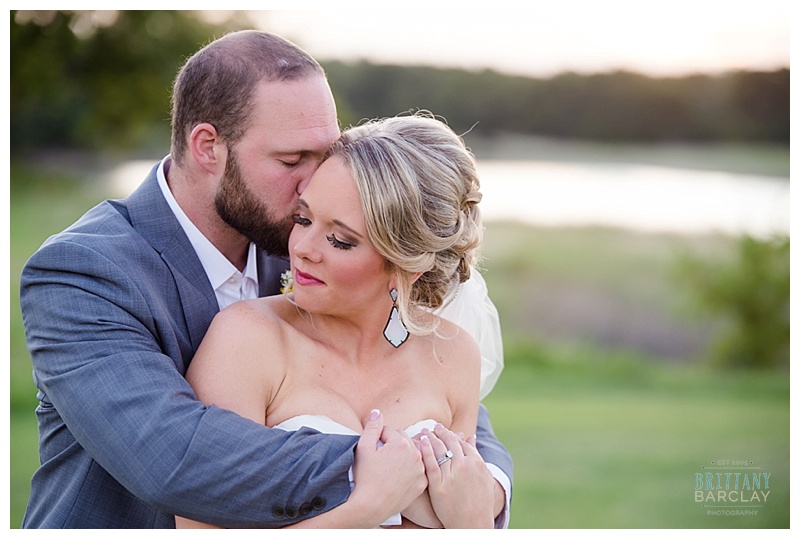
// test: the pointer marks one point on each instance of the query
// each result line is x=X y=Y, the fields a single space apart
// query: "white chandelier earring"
x=395 y=332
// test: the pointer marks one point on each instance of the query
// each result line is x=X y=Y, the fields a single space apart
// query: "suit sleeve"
x=97 y=348
x=498 y=458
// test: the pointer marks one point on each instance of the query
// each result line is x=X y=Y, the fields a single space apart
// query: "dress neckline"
x=326 y=425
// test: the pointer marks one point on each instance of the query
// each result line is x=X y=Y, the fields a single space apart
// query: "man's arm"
x=97 y=339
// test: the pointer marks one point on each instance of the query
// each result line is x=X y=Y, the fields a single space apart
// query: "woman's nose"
x=305 y=246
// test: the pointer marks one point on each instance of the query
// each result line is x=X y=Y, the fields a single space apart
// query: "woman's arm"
x=228 y=371
x=461 y=488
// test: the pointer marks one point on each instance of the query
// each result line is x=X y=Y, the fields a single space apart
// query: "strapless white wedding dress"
x=326 y=425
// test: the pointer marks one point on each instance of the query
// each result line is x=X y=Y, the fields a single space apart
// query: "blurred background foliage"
x=102 y=79
x=631 y=359
x=751 y=292
x=98 y=79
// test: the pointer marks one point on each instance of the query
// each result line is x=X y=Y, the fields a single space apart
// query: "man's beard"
x=239 y=208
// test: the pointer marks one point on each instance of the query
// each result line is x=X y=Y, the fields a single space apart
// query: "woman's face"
x=335 y=267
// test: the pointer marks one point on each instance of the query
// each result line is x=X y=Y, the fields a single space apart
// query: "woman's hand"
x=461 y=488
x=387 y=478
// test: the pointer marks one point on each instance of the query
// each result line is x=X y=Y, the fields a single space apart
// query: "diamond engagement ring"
x=444 y=458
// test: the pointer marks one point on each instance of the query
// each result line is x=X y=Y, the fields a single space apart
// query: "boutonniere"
x=287 y=282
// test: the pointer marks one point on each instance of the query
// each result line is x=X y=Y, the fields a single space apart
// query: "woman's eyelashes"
x=332 y=239
x=339 y=244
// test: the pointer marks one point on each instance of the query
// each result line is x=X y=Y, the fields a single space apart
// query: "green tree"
x=752 y=293
x=99 y=79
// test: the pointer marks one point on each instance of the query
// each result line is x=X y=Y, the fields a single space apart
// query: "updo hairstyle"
x=419 y=190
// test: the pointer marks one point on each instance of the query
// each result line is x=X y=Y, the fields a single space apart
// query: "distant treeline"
x=618 y=106
x=85 y=79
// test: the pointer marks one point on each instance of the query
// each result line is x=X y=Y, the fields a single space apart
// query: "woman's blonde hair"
x=419 y=190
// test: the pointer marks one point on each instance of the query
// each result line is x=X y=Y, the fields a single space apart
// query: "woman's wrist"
x=362 y=512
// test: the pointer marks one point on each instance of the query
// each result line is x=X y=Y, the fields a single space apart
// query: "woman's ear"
x=207 y=148
x=409 y=282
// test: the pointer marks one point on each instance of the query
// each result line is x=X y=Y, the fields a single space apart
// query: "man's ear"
x=207 y=148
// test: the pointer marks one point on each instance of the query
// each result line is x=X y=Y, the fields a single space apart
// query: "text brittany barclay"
x=731 y=487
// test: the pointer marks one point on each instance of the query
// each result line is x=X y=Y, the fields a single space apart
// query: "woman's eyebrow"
x=341 y=224
x=303 y=203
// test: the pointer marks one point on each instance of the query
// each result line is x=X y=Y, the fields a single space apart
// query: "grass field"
x=594 y=449
x=605 y=403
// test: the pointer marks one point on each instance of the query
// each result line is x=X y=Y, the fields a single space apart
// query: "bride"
x=384 y=233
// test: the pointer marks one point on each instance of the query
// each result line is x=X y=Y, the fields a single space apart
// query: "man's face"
x=292 y=125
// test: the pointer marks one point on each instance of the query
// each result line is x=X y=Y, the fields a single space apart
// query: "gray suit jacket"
x=114 y=308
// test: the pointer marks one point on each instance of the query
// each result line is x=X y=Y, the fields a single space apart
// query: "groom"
x=115 y=306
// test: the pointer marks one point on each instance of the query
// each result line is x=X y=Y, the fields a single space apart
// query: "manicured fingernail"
x=438 y=426
x=426 y=431
x=374 y=414
x=424 y=440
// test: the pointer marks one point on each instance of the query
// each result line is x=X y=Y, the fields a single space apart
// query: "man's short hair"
x=216 y=85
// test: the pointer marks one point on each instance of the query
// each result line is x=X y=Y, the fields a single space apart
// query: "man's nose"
x=308 y=171
x=302 y=184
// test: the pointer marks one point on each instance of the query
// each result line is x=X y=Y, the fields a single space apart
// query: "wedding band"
x=444 y=458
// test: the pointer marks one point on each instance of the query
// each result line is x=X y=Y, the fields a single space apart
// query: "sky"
x=655 y=38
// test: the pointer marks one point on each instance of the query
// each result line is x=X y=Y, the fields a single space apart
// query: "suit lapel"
x=152 y=217
x=269 y=273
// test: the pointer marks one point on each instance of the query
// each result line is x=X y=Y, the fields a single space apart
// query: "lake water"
x=639 y=197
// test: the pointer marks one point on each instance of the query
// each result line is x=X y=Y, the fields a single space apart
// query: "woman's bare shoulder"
x=247 y=325
x=252 y=312
x=457 y=342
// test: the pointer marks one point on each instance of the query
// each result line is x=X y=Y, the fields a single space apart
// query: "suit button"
x=305 y=509
x=318 y=503
x=291 y=512
x=278 y=512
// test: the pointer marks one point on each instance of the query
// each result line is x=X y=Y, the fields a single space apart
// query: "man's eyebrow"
x=299 y=153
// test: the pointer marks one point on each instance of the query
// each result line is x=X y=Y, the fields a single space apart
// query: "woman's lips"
x=304 y=279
